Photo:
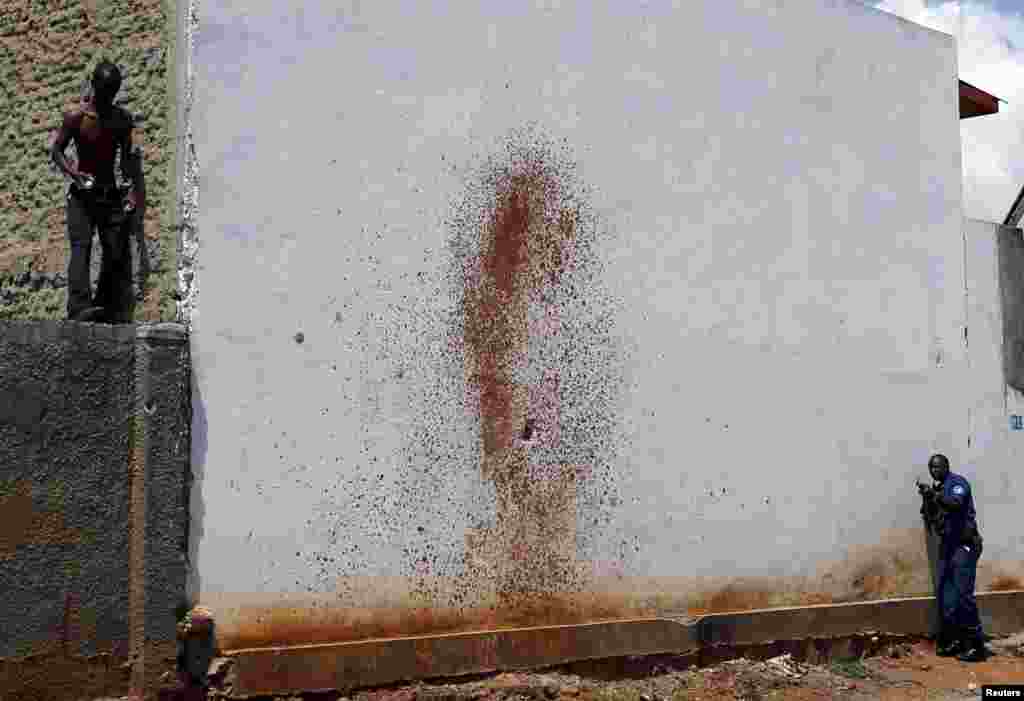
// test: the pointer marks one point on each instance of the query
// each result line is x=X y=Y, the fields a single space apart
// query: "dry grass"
x=47 y=49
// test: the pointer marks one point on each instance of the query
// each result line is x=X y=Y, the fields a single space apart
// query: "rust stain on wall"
x=1006 y=583
x=897 y=566
x=745 y=598
x=278 y=625
x=49 y=674
x=26 y=524
x=891 y=569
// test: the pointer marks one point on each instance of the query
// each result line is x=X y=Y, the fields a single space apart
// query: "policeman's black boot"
x=949 y=646
x=975 y=650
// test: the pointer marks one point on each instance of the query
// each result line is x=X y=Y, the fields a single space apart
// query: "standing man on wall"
x=960 y=549
x=95 y=202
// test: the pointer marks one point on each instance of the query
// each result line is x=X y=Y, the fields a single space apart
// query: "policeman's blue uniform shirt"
x=957 y=489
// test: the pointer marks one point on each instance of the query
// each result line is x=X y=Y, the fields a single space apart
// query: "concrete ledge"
x=900 y=616
x=169 y=332
x=1003 y=612
x=377 y=662
x=345 y=666
x=50 y=331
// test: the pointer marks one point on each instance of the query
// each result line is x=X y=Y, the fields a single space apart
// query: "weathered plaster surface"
x=94 y=440
x=66 y=404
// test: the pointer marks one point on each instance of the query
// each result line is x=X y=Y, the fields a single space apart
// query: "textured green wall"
x=47 y=50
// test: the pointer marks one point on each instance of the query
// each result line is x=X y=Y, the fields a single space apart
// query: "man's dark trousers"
x=958 y=570
x=99 y=211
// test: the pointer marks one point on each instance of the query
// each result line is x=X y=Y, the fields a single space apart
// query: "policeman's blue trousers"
x=957 y=573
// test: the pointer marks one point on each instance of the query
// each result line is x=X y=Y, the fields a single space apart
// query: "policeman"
x=961 y=547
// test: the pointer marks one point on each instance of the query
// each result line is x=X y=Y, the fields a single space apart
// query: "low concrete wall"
x=94 y=443
x=351 y=665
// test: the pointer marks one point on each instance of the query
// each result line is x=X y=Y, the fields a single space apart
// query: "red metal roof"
x=975 y=102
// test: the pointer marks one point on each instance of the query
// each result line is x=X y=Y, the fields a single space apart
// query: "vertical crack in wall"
x=188 y=257
x=965 y=268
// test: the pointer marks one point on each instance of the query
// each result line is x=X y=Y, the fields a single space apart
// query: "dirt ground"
x=908 y=671
x=904 y=671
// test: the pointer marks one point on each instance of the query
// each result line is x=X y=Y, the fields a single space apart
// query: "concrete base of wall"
x=95 y=442
x=56 y=676
x=344 y=666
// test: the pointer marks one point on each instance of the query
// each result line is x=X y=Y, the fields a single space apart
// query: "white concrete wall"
x=772 y=193
x=996 y=451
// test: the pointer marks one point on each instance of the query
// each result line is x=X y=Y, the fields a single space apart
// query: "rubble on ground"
x=901 y=670
x=1012 y=645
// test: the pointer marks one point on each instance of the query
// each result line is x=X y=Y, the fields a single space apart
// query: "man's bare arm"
x=129 y=159
x=60 y=144
x=131 y=168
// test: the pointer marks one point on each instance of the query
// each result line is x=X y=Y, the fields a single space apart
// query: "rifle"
x=931 y=512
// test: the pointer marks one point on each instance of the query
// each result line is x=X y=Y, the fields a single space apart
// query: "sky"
x=990 y=48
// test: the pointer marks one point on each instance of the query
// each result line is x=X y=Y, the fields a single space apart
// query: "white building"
x=567 y=310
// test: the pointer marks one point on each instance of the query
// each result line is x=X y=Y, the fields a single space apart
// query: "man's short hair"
x=938 y=460
x=107 y=74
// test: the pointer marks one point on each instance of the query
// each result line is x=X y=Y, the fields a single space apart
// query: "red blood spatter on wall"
x=516 y=259
x=524 y=241
x=497 y=427
x=511 y=224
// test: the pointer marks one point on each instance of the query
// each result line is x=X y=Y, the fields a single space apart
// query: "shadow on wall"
x=194 y=499
x=1011 y=288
